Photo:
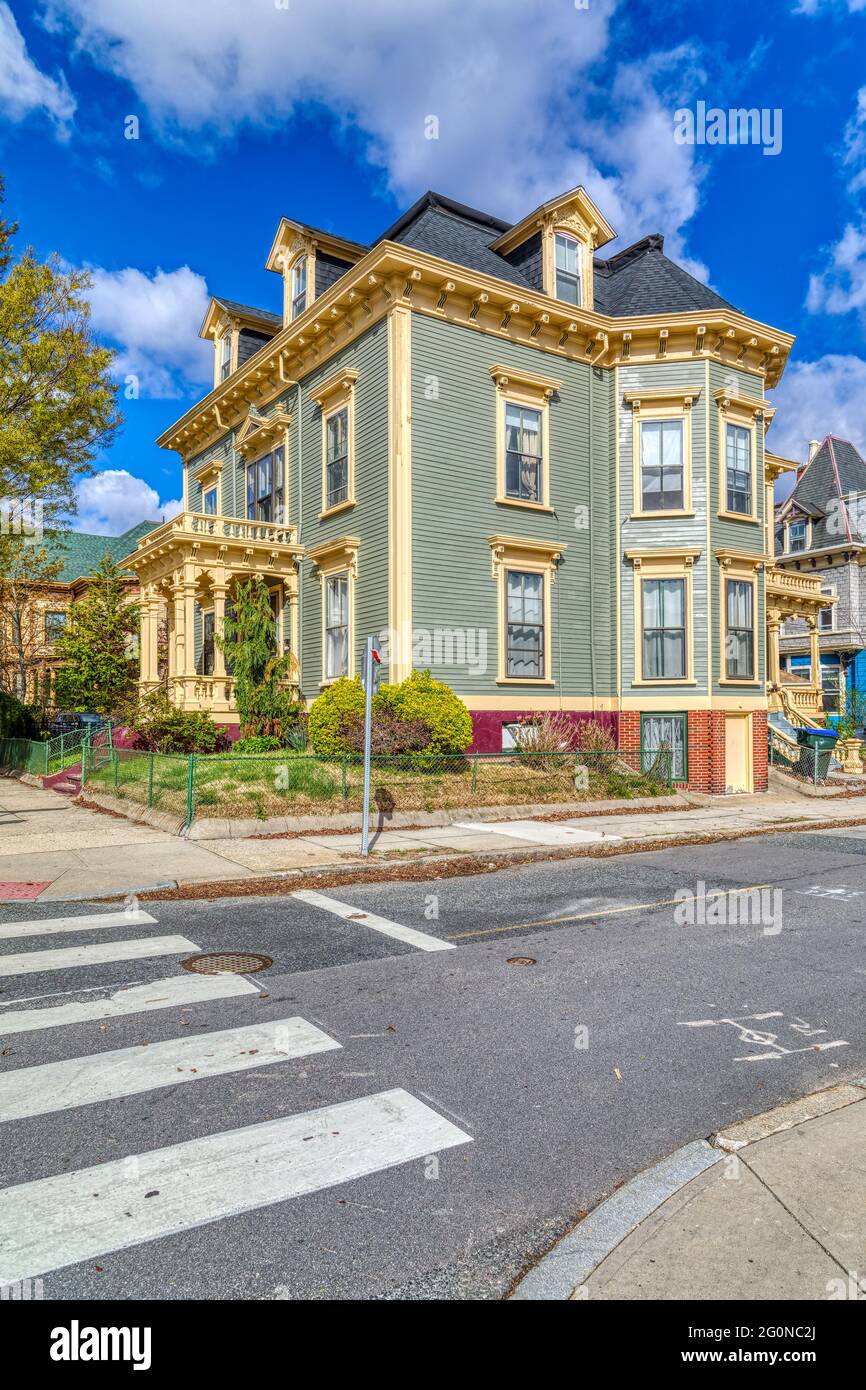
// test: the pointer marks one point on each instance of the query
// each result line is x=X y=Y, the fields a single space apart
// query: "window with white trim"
x=664 y=629
x=336 y=626
x=739 y=630
x=662 y=472
x=265 y=488
x=524 y=625
x=567 y=254
x=738 y=469
x=225 y=356
x=826 y=621
x=299 y=287
x=337 y=459
x=523 y=453
x=797 y=535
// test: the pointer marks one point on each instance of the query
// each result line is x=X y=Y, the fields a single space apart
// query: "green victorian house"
x=538 y=472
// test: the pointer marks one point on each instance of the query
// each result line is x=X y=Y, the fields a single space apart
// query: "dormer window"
x=797 y=535
x=567 y=253
x=225 y=356
x=299 y=286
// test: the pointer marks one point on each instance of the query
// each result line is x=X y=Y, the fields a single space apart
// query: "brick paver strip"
x=22 y=892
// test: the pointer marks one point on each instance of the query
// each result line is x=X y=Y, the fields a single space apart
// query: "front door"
x=738 y=752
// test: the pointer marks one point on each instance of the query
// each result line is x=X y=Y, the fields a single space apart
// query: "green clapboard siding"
x=666 y=532
x=454 y=402
x=368 y=519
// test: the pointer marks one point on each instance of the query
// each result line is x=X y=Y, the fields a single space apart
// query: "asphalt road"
x=527 y=1092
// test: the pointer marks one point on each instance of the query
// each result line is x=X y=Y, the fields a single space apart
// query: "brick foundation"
x=706 y=748
x=487 y=724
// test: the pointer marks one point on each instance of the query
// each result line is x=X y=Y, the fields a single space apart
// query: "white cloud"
x=816 y=6
x=23 y=88
x=827 y=396
x=841 y=288
x=511 y=85
x=113 y=500
x=154 y=320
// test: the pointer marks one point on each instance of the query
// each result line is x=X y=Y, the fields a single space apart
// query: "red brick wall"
x=759 y=750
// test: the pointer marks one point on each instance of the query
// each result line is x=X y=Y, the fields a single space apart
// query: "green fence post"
x=61 y=752
x=345 y=778
x=474 y=757
x=190 y=787
x=85 y=749
x=116 y=767
x=150 y=782
x=47 y=745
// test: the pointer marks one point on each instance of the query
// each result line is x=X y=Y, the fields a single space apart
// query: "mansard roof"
x=835 y=471
x=641 y=279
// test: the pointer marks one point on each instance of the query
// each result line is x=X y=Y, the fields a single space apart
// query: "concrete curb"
x=90 y=896
x=571 y=1262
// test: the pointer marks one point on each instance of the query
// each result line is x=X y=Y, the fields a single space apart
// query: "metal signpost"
x=372 y=662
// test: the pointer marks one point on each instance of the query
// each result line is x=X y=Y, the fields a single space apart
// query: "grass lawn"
x=288 y=783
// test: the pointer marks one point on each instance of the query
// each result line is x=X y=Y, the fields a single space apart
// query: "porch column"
x=814 y=652
x=219 y=592
x=189 y=620
x=148 y=638
x=774 y=622
x=177 y=658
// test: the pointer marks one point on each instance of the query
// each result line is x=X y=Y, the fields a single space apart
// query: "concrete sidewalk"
x=52 y=849
x=774 y=1209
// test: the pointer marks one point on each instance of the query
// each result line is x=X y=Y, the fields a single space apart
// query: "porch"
x=794 y=595
x=188 y=569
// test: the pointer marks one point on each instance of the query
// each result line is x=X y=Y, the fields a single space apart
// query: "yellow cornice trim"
x=341 y=553
x=517 y=376
x=546 y=550
x=687 y=553
x=289 y=231
x=727 y=555
x=685 y=395
x=750 y=405
x=343 y=380
x=393 y=261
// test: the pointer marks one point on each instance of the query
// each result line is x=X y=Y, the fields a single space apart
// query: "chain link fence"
x=235 y=786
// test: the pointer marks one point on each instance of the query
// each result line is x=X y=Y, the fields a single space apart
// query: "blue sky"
x=249 y=110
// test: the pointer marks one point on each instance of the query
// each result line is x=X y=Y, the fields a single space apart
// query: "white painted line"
x=131 y=1070
x=539 y=832
x=176 y=992
x=420 y=939
x=47 y=926
x=53 y=1222
x=71 y=957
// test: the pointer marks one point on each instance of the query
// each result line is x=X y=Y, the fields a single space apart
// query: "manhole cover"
x=227 y=963
x=521 y=960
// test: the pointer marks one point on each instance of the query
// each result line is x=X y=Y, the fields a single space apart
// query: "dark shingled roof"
x=81 y=551
x=835 y=471
x=638 y=280
x=268 y=321
x=642 y=280
x=455 y=233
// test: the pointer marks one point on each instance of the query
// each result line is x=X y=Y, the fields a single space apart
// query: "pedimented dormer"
x=238 y=331
x=309 y=261
x=558 y=240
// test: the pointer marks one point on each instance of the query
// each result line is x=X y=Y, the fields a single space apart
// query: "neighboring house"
x=537 y=471
x=33 y=612
x=821 y=532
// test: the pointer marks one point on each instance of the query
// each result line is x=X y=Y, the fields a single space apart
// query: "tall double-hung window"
x=337 y=458
x=299 y=287
x=567 y=254
x=524 y=625
x=662 y=465
x=739 y=630
x=738 y=469
x=664 y=629
x=523 y=453
x=266 y=488
x=336 y=626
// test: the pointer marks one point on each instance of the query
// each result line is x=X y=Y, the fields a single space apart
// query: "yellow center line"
x=714 y=893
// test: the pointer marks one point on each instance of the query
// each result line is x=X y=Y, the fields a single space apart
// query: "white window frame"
x=569 y=239
x=300 y=267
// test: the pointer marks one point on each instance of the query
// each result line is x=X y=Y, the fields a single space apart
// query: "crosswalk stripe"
x=421 y=940
x=47 y=926
x=175 y=992
x=70 y=957
x=129 y=1071
x=59 y=1221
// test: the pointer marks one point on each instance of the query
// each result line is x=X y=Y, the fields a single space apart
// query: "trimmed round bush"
x=419 y=696
x=339 y=704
